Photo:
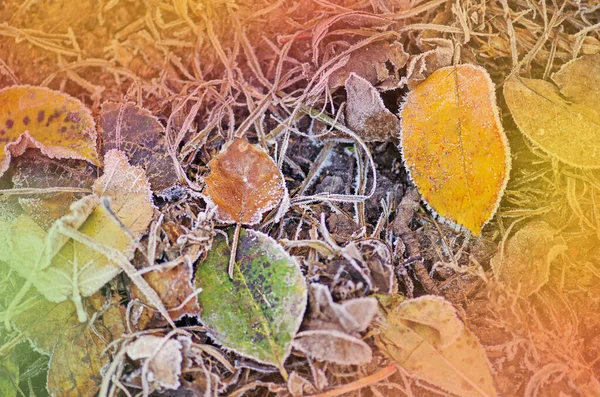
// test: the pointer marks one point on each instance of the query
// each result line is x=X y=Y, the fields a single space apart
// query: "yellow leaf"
x=454 y=146
x=563 y=121
x=37 y=117
x=411 y=337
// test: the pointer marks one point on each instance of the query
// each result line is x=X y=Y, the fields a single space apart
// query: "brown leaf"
x=369 y=62
x=333 y=346
x=351 y=316
x=366 y=113
x=141 y=136
x=243 y=183
x=37 y=117
x=173 y=286
x=34 y=170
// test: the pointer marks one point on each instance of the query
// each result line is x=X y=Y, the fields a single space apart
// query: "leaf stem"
x=234 y=244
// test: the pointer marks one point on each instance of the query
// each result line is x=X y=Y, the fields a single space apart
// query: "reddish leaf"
x=243 y=183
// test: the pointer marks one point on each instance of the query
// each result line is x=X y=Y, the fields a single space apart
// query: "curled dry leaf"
x=173 y=286
x=353 y=315
x=163 y=356
x=37 y=117
x=525 y=263
x=61 y=268
x=243 y=183
x=265 y=301
x=564 y=121
x=34 y=170
x=433 y=312
x=411 y=338
x=422 y=65
x=139 y=134
x=370 y=62
x=333 y=346
x=454 y=146
x=366 y=113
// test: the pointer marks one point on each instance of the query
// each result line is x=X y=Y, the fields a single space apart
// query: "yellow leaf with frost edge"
x=562 y=119
x=55 y=123
x=454 y=146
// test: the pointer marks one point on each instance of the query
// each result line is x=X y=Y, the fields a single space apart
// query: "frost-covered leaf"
x=525 y=263
x=366 y=113
x=141 y=136
x=264 y=302
x=353 y=315
x=243 y=183
x=78 y=344
x=174 y=287
x=454 y=146
x=61 y=268
x=34 y=170
x=411 y=337
x=54 y=330
x=37 y=117
x=163 y=358
x=371 y=63
x=563 y=121
x=333 y=346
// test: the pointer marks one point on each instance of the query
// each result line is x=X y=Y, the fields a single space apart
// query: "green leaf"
x=258 y=313
x=61 y=268
x=443 y=353
x=9 y=375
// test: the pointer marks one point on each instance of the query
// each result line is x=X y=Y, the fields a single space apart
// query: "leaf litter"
x=198 y=78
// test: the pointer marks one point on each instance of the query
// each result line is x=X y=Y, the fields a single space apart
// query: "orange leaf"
x=454 y=146
x=243 y=183
x=37 y=117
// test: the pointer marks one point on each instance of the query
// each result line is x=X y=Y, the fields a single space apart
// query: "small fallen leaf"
x=422 y=65
x=174 y=286
x=370 y=62
x=244 y=182
x=34 y=170
x=265 y=301
x=164 y=359
x=139 y=134
x=454 y=146
x=366 y=113
x=37 y=117
x=411 y=337
x=563 y=121
x=353 y=315
x=333 y=346
x=525 y=263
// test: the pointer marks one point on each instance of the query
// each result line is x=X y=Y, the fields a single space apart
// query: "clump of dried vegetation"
x=208 y=72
